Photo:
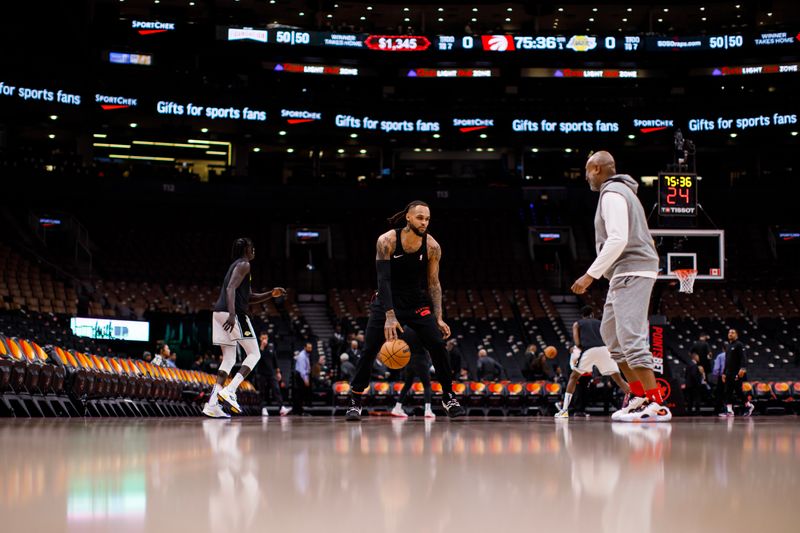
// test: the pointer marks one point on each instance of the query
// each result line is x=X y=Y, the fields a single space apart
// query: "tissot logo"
x=108 y=103
x=144 y=27
x=293 y=116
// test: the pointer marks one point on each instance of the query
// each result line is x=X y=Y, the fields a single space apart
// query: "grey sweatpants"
x=624 y=327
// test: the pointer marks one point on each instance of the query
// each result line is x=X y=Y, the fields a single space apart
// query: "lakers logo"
x=247 y=334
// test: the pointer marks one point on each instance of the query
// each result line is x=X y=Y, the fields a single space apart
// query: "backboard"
x=701 y=249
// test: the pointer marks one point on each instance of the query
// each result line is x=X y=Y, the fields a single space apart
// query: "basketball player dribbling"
x=626 y=255
x=231 y=327
x=409 y=292
x=588 y=353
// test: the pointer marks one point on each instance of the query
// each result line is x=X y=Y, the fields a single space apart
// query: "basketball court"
x=479 y=474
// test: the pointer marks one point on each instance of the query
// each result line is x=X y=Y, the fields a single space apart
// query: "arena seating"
x=51 y=381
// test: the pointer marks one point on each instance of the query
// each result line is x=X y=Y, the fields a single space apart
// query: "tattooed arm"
x=385 y=248
x=434 y=286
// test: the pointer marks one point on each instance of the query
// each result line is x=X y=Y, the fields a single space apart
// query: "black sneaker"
x=354 y=411
x=452 y=407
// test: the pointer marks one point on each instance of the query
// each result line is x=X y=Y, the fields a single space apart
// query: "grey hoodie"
x=640 y=253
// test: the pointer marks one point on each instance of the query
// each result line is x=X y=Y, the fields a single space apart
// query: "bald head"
x=599 y=167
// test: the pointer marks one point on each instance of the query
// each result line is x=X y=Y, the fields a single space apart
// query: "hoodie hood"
x=622 y=178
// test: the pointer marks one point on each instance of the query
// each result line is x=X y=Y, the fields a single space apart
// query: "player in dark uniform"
x=409 y=293
x=734 y=374
x=231 y=327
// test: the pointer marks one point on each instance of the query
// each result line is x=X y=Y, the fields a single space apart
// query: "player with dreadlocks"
x=409 y=293
x=231 y=327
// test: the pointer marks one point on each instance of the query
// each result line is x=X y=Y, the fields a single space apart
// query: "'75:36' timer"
x=677 y=195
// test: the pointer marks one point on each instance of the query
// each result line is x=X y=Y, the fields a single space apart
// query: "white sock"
x=213 y=399
x=235 y=382
x=427 y=407
x=730 y=408
x=567 y=399
x=398 y=405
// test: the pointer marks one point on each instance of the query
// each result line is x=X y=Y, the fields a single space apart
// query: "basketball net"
x=686 y=276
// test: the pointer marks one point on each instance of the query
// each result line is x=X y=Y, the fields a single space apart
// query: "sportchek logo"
x=466 y=125
x=649 y=126
x=144 y=27
x=109 y=103
x=293 y=116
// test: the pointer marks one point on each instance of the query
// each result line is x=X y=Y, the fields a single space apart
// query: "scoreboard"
x=677 y=195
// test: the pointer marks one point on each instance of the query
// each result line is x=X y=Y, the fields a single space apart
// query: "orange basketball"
x=395 y=354
x=550 y=352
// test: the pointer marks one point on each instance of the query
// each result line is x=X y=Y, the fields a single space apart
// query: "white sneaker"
x=215 y=411
x=750 y=408
x=264 y=411
x=229 y=399
x=649 y=412
x=285 y=410
x=429 y=413
x=634 y=403
x=398 y=412
x=563 y=413
x=726 y=414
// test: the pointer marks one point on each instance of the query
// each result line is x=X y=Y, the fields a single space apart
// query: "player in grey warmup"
x=626 y=255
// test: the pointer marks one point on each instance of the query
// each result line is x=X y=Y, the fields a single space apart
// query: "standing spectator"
x=488 y=368
x=337 y=342
x=321 y=374
x=354 y=353
x=695 y=380
x=456 y=357
x=347 y=369
x=718 y=386
x=703 y=349
x=269 y=377
x=301 y=382
x=734 y=374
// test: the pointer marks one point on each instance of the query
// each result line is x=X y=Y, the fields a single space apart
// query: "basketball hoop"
x=686 y=276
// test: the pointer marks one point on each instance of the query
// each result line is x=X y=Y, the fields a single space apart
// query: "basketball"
x=550 y=352
x=395 y=354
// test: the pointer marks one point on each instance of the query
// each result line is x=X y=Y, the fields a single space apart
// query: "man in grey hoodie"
x=626 y=255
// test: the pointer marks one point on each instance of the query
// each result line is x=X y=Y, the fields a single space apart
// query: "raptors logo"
x=497 y=43
x=666 y=390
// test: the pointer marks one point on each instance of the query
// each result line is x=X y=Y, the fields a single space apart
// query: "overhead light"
x=769 y=14
x=354 y=135
x=436 y=135
x=141 y=157
x=52 y=136
x=568 y=150
x=483 y=135
x=560 y=9
x=534 y=150
x=134 y=125
x=630 y=9
x=191 y=3
x=440 y=19
x=407 y=19
x=440 y=9
x=203 y=130
x=794 y=134
x=631 y=136
x=417 y=149
x=591 y=19
x=474 y=9
x=510 y=9
x=215 y=152
x=53 y=117
x=330 y=16
x=661 y=20
x=199 y=141
x=508 y=20
x=111 y=145
x=738 y=6
x=704 y=19
x=702 y=8
x=369 y=8
x=734 y=135
x=474 y=20
x=362 y=151
x=666 y=10
x=406 y=9
x=429 y=149
x=99 y=135
x=594 y=10
x=281 y=133
x=490 y=149
x=625 y=20
x=363 y=18
x=340 y=150
x=202 y=145
x=479 y=149
x=290 y=150
x=302 y=13
x=256 y=149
